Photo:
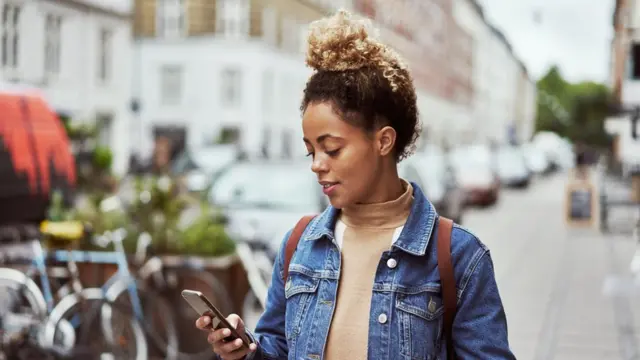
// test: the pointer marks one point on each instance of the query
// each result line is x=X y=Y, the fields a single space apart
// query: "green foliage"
x=586 y=105
x=102 y=158
x=206 y=236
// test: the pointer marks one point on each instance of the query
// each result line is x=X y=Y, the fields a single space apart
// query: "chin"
x=337 y=202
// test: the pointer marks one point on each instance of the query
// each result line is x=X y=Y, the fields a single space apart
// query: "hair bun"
x=342 y=42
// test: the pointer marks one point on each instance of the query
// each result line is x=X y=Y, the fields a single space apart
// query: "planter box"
x=227 y=269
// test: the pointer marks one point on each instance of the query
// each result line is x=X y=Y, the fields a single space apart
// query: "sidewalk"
x=576 y=313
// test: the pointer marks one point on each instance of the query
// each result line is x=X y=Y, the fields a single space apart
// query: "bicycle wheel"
x=158 y=317
x=22 y=307
x=83 y=312
x=17 y=281
x=192 y=342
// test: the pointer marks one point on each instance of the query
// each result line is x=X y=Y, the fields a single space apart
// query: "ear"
x=385 y=140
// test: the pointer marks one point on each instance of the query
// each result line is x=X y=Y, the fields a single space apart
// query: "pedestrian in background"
x=364 y=281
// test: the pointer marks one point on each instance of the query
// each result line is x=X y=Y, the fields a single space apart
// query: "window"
x=267 y=92
x=270 y=25
x=52 y=26
x=231 y=87
x=171 y=18
x=634 y=62
x=171 y=84
x=10 y=42
x=233 y=17
x=290 y=34
x=105 y=126
x=105 y=55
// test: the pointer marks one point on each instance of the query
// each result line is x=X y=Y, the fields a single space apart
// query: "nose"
x=318 y=165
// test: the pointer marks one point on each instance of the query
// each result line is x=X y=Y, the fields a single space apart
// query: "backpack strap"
x=447 y=281
x=292 y=243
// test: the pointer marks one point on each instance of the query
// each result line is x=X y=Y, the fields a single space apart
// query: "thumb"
x=235 y=321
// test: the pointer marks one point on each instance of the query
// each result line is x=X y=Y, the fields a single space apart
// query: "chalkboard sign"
x=581 y=204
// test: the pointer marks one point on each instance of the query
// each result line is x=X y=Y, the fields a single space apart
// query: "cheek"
x=358 y=168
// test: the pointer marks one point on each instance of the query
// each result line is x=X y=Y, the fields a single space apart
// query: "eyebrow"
x=322 y=138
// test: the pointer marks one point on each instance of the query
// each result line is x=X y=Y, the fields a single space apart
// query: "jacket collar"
x=414 y=237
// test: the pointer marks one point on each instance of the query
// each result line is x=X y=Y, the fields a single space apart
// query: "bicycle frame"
x=39 y=267
x=115 y=258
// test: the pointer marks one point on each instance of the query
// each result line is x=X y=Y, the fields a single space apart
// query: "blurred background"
x=148 y=146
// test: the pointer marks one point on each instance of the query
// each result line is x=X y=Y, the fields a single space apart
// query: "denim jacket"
x=298 y=314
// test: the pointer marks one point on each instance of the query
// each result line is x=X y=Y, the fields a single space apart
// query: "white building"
x=78 y=54
x=208 y=67
x=498 y=104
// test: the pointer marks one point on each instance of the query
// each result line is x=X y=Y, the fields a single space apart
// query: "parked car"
x=536 y=160
x=263 y=199
x=431 y=172
x=476 y=176
x=556 y=149
x=198 y=167
x=511 y=167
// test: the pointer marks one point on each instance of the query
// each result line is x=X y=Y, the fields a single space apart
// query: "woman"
x=363 y=282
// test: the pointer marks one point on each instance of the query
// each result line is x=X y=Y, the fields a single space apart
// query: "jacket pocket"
x=420 y=321
x=300 y=291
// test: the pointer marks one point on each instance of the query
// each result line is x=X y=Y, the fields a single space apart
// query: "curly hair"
x=367 y=83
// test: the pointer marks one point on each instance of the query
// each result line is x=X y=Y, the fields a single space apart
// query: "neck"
x=389 y=187
x=384 y=214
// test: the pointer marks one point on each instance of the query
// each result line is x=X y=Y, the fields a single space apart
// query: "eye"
x=333 y=153
x=310 y=153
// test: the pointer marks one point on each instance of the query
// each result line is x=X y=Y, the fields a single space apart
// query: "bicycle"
x=166 y=280
x=50 y=326
x=258 y=260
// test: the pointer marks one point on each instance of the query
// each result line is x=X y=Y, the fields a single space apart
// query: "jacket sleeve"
x=270 y=329
x=480 y=324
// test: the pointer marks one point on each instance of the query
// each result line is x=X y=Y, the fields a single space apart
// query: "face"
x=347 y=160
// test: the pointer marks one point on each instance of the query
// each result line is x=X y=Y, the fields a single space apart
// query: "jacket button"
x=392 y=263
x=382 y=318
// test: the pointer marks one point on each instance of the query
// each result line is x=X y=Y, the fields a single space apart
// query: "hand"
x=233 y=350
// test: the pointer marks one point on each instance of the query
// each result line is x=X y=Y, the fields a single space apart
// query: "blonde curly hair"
x=345 y=42
x=367 y=82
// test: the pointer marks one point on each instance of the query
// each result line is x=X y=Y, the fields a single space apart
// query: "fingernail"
x=206 y=320
x=238 y=342
x=253 y=347
x=226 y=332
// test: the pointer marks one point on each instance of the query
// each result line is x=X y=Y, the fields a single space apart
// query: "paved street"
x=567 y=292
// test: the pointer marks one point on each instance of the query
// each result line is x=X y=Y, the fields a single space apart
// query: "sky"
x=574 y=34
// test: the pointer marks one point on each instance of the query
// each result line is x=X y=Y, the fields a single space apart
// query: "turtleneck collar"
x=386 y=215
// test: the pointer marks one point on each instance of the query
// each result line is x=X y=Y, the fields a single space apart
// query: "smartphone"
x=203 y=306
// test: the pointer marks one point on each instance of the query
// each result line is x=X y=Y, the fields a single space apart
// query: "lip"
x=327 y=190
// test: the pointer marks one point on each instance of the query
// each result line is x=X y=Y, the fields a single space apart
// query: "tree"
x=553 y=100
x=576 y=111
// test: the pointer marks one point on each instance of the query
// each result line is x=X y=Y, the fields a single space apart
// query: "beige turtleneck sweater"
x=364 y=233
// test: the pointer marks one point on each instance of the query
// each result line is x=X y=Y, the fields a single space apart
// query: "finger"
x=231 y=350
x=203 y=322
x=234 y=320
x=218 y=335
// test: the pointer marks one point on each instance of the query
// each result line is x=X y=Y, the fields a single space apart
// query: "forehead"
x=320 y=119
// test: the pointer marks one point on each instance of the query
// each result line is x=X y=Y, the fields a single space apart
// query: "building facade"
x=78 y=55
x=211 y=67
x=439 y=53
x=625 y=79
x=505 y=96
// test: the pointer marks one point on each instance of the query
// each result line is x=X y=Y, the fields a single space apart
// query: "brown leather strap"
x=292 y=243
x=447 y=281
